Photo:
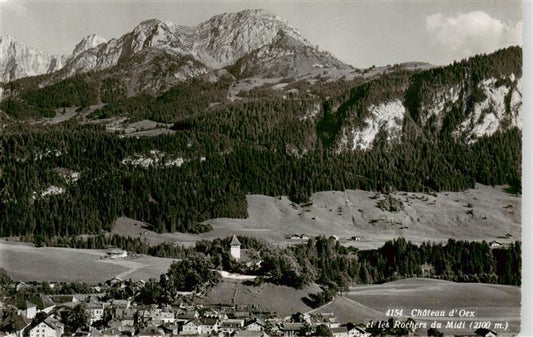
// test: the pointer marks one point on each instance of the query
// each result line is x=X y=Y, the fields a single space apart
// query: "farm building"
x=117 y=253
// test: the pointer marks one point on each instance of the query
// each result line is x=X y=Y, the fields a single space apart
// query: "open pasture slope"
x=493 y=303
x=267 y=297
x=484 y=213
x=27 y=263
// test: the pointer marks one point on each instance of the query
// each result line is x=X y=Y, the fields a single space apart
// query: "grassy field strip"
x=27 y=263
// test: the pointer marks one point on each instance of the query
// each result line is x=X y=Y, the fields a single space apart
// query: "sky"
x=360 y=33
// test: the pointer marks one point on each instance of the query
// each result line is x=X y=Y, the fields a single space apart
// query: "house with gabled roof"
x=249 y=333
x=231 y=325
x=186 y=316
x=356 y=331
x=292 y=329
x=208 y=325
x=151 y=331
x=49 y=327
x=255 y=325
x=95 y=310
x=192 y=327
x=30 y=305
x=111 y=332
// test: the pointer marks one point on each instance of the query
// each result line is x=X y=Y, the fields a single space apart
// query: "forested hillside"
x=75 y=177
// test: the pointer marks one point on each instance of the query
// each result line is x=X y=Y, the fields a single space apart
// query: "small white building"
x=235 y=248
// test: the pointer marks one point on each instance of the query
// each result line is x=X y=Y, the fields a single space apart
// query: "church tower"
x=235 y=249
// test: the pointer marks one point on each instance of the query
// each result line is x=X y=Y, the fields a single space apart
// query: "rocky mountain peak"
x=261 y=41
x=87 y=43
x=228 y=37
x=18 y=60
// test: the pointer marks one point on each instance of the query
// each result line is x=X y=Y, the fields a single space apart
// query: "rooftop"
x=235 y=241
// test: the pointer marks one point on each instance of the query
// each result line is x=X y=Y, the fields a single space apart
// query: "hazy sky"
x=361 y=33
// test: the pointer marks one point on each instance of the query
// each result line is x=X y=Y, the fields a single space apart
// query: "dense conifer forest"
x=261 y=144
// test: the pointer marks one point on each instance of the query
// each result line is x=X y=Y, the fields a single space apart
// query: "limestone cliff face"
x=18 y=60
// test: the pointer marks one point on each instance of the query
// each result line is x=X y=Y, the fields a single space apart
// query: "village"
x=104 y=311
x=98 y=315
x=120 y=308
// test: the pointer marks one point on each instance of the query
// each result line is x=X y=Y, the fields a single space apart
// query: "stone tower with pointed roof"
x=235 y=248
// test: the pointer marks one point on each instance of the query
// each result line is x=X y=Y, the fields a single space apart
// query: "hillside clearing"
x=357 y=219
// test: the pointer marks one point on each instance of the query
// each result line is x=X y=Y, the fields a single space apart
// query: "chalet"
x=82 y=333
x=171 y=329
x=115 y=324
x=235 y=248
x=35 y=304
x=95 y=333
x=485 y=333
x=115 y=281
x=167 y=317
x=151 y=331
x=111 y=332
x=186 y=316
x=122 y=304
x=327 y=319
x=231 y=325
x=495 y=244
x=125 y=315
x=255 y=326
x=356 y=331
x=94 y=310
x=117 y=253
x=292 y=329
x=249 y=333
x=21 y=286
x=208 y=325
x=50 y=327
x=241 y=314
x=191 y=328
x=339 y=331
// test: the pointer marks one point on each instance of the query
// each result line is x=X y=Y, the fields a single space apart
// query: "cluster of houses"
x=40 y=316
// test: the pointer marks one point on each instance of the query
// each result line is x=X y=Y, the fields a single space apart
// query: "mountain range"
x=238 y=47
x=250 y=42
